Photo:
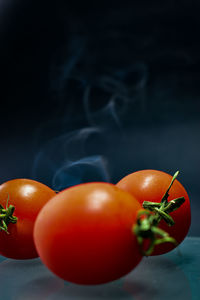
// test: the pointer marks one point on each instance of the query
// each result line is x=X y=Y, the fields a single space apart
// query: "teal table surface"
x=175 y=275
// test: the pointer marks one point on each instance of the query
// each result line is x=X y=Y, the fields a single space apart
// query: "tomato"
x=28 y=197
x=84 y=233
x=151 y=185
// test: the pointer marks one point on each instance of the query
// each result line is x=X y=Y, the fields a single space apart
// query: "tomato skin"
x=84 y=234
x=28 y=197
x=151 y=185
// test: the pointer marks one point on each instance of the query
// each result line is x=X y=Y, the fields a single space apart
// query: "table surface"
x=175 y=275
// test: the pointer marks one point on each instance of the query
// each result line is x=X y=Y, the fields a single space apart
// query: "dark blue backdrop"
x=93 y=91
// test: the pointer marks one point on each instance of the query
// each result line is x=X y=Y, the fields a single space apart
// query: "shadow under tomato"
x=113 y=290
x=154 y=278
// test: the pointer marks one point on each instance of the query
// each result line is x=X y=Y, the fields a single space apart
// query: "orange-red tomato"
x=28 y=197
x=151 y=185
x=84 y=234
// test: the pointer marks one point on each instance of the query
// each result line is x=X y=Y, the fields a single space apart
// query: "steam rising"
x=107 y=116
x=88 y=169
x=63 y=161
x=99 y=107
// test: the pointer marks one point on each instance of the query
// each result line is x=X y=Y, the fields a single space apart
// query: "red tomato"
x=151 y=185
x=28 y=197
x=84 y=234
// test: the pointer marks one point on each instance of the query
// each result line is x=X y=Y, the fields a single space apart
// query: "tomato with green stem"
x=20 y=203
x=84 y=234
x=154 y=189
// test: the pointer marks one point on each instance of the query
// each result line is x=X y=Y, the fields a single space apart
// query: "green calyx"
x=6 y=216
x=163 y=209
x=148 y=220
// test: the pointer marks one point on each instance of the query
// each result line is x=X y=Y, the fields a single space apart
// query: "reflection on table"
x=171 y=276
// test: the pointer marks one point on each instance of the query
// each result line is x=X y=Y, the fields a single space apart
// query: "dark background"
x=96 y=90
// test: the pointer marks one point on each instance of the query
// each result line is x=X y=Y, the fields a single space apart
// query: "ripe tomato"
x=28 y=197
x=84 y=234
x=151 y=185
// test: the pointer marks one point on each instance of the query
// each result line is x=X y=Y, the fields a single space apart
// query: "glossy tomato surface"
x=84 y=234
x=28 y=197
x=151 y=185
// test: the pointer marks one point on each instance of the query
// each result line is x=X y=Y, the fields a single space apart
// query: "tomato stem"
x=166 y=195
x=6 y=216
x=149 y=219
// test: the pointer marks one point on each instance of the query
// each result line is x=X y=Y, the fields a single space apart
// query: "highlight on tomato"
x=168 y=213
x=84 y=234
x=20 y=203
